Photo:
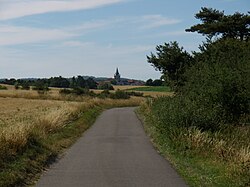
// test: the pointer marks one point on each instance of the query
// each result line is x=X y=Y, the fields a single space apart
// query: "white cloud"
x=12 y=35
x=18 y=8
x=91 y=26
x=153 y=21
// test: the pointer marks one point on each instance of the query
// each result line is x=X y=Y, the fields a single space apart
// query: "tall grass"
x=204 y=157
x=43 y=117
x=34 y=131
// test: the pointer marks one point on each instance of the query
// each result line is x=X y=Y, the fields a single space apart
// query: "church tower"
x=117 y=76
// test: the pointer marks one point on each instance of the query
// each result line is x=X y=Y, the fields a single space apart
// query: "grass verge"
x=21 y=162
x=40 y=151
x=202 y=158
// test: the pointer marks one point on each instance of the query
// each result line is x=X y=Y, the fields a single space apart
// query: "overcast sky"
x=44 y=38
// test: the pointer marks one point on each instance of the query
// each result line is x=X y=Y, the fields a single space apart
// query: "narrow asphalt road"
x=114 y=152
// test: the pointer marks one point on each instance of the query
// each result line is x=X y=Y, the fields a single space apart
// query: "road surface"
x=114 y=152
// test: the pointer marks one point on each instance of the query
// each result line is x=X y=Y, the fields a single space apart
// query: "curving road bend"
x=114 y=152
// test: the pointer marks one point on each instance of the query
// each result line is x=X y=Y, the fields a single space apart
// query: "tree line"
x=57 y=82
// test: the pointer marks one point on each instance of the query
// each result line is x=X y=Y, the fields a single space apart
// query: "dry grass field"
x=26 y=115
x=125 y=87
x=53 y=93
x=20 y=112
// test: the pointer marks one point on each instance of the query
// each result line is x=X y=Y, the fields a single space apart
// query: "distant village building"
x=117 y=76
x=125 y=81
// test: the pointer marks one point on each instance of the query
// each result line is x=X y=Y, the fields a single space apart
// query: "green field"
x=152 y=89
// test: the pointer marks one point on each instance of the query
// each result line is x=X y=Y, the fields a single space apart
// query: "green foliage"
x=80 y=82
x=216 y=91
x=91 y=83
x=16 y=86
x=220 y=79
x=156 y=82
x=3 y=87
x=104 y=94
x=41 y=86
x=59 y=82
x=206 y=122
x=119 y=94
x=114 y=82
x=149 y=82
x=152 y=89
x=172 y=61
x=105 y=86
x=25 y=85
x=215 y=23
x=76 y=91
x=9 y=81
x=80 y=91
x=203 y=158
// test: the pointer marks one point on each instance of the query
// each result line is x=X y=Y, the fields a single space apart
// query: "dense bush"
x=216 y=91
x=105 y=86
x=25 y=85
x=220 y=79
x=40 y=86
x=76 y=91
x=156 y=82
x=119 y=94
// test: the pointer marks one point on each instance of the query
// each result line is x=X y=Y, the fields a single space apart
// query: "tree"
x=80 y=81
x=157 y=82
x=91 y=84
x=25 y=85
x=216 y=23
x=73 y=82
x=41 y=85
x=59 y=82
x=149 y=82
x=172 y=61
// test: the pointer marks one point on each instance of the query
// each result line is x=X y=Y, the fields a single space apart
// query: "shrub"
x=25 y=86
x=104 y=94
x=221 y=80
x=105 y=86
x=216 y=91
x=77 y=91
x=80 y=91
x=137 y=94
x=65 y=91
x=41 y=86
x=3 y=87
x=119 y=94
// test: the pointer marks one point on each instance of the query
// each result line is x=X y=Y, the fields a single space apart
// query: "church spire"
x=117 y=75
x=117 y=71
